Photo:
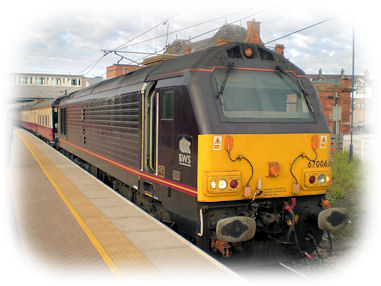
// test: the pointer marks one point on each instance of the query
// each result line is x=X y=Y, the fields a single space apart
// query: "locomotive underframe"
x=272 y=219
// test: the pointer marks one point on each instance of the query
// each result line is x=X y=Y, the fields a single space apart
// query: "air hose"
x=239 y=158
x=301 y=156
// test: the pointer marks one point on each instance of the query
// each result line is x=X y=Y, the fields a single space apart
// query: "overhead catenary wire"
x=106 y=52
x=196 y=25
x=303 y=29
x=204 y=33
x=93 y=64
x=150 y=29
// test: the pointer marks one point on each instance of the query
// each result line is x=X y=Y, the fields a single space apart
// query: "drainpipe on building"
x=353 y=90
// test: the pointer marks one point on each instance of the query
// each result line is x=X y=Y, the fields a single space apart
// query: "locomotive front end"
x=263 y=170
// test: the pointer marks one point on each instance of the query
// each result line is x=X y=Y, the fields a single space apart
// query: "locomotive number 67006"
x=196 y=139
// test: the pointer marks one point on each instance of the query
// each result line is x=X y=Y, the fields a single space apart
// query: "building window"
x=73 y=82
x=58 y=81
x=31 y=80
x=25 y=80
x=42 y=80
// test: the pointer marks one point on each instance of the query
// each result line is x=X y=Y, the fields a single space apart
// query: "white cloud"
x=71 y=36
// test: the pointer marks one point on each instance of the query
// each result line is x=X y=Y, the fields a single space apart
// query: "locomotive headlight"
x=222 y=184
x=322 y=179
x=225 y=183
x=317 y=178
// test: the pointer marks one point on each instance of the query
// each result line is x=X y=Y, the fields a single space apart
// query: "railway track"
x=296 y=272
x=274 y=272
x=272 y=262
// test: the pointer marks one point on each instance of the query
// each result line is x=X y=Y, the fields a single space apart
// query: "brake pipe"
x=290 y=209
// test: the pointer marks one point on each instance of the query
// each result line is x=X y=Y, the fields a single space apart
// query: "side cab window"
x=167 y=117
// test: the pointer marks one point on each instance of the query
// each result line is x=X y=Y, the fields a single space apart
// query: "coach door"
x=150 y=130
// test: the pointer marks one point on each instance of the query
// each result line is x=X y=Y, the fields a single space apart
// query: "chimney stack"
x=320 y=75
x=279 y=49
x=253 y=32
x=119 y=69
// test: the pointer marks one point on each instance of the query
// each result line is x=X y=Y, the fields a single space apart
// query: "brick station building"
x=335 y=95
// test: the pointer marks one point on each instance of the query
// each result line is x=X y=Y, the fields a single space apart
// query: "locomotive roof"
x=204 y=59
x=48 y=102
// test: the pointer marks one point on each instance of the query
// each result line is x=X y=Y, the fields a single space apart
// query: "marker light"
x=222 y=184
x=248 y=52
x=213 y=184
x=233 y=184
x=314 y=142
x=321 y=179
x=228 y=143
x=312 y=179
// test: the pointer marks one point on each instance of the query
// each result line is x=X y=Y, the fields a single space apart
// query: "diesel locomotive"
x=226 y=145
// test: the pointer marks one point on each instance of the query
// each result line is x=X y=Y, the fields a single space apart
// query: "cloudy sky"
x=68 y=36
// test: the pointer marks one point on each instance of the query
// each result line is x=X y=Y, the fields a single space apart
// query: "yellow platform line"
x=105 y=244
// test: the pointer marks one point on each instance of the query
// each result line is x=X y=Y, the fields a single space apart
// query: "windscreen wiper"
x=298 y=83
x=220 y=89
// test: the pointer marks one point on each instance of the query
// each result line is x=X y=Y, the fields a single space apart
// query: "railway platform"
x=70 y=219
